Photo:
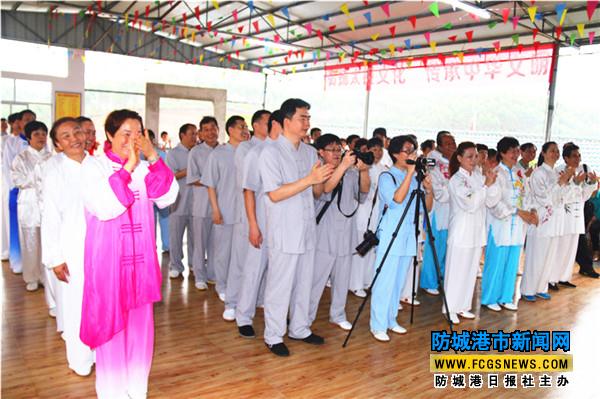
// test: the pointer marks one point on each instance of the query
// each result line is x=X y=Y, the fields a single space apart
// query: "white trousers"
x=460 y=277
x=253 y=276
x=202 y=228
x=339 y=268
x=239 y=247
x=565 y=258
x=540 y=257
x=220 y=247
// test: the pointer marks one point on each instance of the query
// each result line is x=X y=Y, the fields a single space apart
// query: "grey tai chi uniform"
x=180 y=216
x=201 y=213
x=220 y=175
x=336 y=239
x=255 y=263
x=291 y=236
x=239 y=242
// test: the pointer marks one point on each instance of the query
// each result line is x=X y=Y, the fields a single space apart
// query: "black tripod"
x=419 y=194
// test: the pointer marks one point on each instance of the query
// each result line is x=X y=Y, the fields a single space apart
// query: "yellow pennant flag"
x=344 y=9
x=215 y=4
x=193 y=35
x=221 y=59
x=409 y=61
x=580 y=29
x=365 y=63
x=532 y=11
x=271 y=20
x=392 y=49
x=126 y=20
x=350 y=23
x=562 y=17
x=375 y=36
x=293 y=69
x=461 y=56
x=242 y=67
x=202 y=57
x=433 y=45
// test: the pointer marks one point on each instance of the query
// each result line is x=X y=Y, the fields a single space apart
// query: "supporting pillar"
x=551 y=91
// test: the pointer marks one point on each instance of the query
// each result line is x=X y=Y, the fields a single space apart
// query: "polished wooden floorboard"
x=197 y=354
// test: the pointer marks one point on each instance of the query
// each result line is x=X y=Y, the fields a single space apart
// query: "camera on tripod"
x=422 y=164
x=369 y=241
x=367 y=157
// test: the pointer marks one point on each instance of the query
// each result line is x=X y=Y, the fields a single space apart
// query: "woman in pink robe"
x=122 y=274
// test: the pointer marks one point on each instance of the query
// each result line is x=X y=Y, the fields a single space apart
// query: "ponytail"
x=454 y=163
x=545 y=148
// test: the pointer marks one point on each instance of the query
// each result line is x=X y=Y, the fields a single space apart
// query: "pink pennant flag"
x=427 y=36
x=591 y=6
x=413 y=21
x=505 y=13
x=515 y=21
x=497 y=45
x=592 y=35
x=235 y=15
x=319 y=34
x=308 y=28
x=386 y=9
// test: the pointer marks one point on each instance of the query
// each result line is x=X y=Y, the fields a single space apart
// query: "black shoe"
x=567 y=284
x=589 y=273
x=553 y=287
x=247 y=331
x=312 y=339
x=279 y=349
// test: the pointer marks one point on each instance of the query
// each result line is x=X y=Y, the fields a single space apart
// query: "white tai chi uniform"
x=201 y=213
x=573 y=225
x=63 y=236
x=466 y=237
x=543 y=240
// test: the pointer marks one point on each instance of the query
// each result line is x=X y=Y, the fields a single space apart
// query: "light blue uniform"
x=387 y=288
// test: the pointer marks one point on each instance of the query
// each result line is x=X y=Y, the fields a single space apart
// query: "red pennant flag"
x=452 y=38
x=276 y=38
x=373 y=51
x=240 y=28
x=147 y=13
x=535 y=32
x=184 y=19
x=209 y=26
x=290 y=52
x=469 y=35
x=164 y=24
x=286 y=59
x=591 y=6
x=393 y=30
x=99 y=5
x=520 y=47
x=424 y=61
x=413 y=21
x=366 y=3
x=255 y=24
x=235 y=15
x=331 y=28
x=558 y=31
x=497 y=45
x=442 y=58
x=136 y=15
x=319 y=34
x=536 y=45
x=237 y=53
x=505 y=14
x=591 y=36
x=197 y=12
x=386 y=9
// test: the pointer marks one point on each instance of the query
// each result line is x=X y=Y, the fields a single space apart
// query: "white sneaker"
x=345 y=325
x=201 y=285
x=510 y=306
x=398 y=329
x=432 y=291
x=31 y=287
x=229 y=314
x=328 y=284
x=52 y=312
x=400 y=306
x=380 y=336
x=174 y=273
x=360 y=293
x=82 y=373
x=454 y=318
x=222 y=296
x=495 y=307
x=466 y=315
x=407 y=301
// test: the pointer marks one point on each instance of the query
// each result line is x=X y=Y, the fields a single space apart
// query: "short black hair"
x=397 y=143
x=374 y=142
x=380 y=131
x=288 y=107
x=33 y=126
x=326 y=139
x=505 y=144
x=57 y=123
x=258 y=114
x=12 y=118
x=184 y=128
x=116 y=118
x=427 y=144
x=440 y=135
x=481 y=147
x=81 y=119
x=492 y=153
x=275 y=116
x=351 y=138
x=314 y=130
x=526 y=146
x=26 y=111
x=568 y=149
x=2 y=119
x=359 y=143
x=232 y=121
x=206 y=120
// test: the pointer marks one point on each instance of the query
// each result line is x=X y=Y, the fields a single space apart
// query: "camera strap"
x=375 y=200
x=339 y=200
x=335 y=192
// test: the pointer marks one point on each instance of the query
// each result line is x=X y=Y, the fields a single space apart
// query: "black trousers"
x=584 y=255
x=595 y=233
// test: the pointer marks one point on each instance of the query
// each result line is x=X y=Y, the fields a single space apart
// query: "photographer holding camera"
x=347 y=187
x=394 y=188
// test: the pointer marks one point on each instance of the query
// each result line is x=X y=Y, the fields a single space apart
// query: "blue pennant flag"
x=407 y=43
x=251 y=5
x=326 y=17
x=560 y=7
x=286 y=12
x=368 y=17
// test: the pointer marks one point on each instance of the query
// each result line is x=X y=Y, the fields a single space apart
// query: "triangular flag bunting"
x=332 y=28
x=251 y=6
x=375 y=36
x=271 y=20
x=434 y=8
x=461 y=56
x=286 y=12
x=592 y=35
x=393 y=30
x=255 y=24
x=413 y=21
x=392 y=49
x=448 y=26
x=560 y=8
x=433 y=46
x=515 y=21
x=562 y=18
x=497 y=45
x=572 y=37
x=469 y=35
x=492 y=24
x=591 y=6
x=515 y=38
x=427 y=36
x=240 y=28
x=535 y=32
x=558 y=31
x=308 y=28
x=344 y=9
x=442 y=58
x=505 y=14
x=452 y=38
x=367 y=16
x=407 y=43
x=580 y=29
x=424 y=61
x=350 y=23
x=319 y=34
x=532 y=11
x=386 y=9
x=215 y=4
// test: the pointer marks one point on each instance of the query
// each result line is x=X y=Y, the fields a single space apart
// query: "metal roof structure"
x=284 y=36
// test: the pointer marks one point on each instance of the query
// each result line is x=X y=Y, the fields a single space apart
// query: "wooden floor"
x=197 y=354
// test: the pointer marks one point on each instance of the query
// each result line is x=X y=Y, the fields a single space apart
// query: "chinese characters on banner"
x=525 y=62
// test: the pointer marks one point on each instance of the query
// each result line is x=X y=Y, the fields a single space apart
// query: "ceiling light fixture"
x=480 y=12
